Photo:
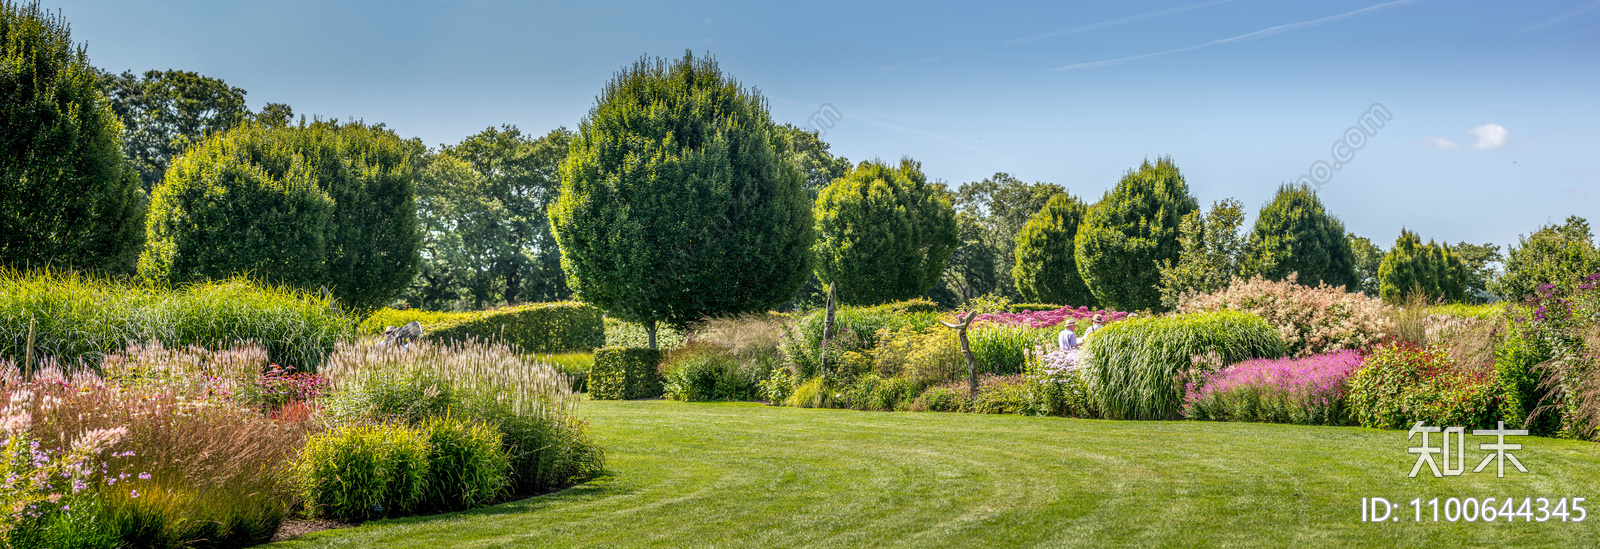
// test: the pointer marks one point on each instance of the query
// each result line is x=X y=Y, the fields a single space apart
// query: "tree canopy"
x=883 y=233
x=1000 y=205
x=1554 y=254
x=1434 y=270
x=324 y=204
x=67 y=196
x=1046 y=270
x=1210 y=252
x=1131 y=232
x=1295 y=234
x=679 y=200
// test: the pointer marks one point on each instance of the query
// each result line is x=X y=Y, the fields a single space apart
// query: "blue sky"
x=1495 y=106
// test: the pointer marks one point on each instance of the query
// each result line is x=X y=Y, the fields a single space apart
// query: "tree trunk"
x=827 y=330
x=650 y=328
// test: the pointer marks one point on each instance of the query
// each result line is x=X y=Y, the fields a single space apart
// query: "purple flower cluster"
x=1305 y=390
x=1047 y=319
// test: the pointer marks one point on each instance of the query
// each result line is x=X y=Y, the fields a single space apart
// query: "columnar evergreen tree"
x=1211 y=252
x=67 y=196
x=1131 y=232
x=1554 y=254
x=883 y=233
x=1295 y=234
x=325 y=204
x=1411 y=266
x=679 y=200
x=1047 y=269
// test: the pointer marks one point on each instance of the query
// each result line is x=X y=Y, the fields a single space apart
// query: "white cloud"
x=1442 y=143
x=1490 y=136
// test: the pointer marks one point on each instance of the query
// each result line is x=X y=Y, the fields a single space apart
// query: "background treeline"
x=168 y=175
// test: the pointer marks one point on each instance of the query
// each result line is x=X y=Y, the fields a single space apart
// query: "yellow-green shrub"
x=556 y=327
x=625 y=373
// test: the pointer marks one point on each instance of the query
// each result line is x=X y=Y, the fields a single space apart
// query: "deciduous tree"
x=883 y=233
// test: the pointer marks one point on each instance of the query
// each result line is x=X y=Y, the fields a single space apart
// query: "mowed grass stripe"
x=743 y=475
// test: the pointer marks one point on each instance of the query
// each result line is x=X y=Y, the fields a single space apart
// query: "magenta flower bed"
x=1309 y=390
x=1047 y=319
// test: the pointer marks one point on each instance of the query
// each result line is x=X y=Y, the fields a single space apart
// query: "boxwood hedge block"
x=625 y=373
x=1030 y=307
x=558 y=327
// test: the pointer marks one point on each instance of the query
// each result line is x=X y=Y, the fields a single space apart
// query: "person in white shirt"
x=1068 y=339
x=1099 y=322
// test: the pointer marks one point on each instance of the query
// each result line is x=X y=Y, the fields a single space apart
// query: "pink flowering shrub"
x=1309 y=390
x=1310 y=320
x=1049 y=319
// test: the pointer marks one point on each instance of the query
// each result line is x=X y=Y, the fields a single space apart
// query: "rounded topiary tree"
x=678 y=199
x=317 y=205
x=1047 y=267
x=1295 y=234
x=883 y=233
x=67 y=196
x=1130 y=233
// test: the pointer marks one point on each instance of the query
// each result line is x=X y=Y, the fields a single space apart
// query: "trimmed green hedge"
x=918 y=305
x=558 y=327
x=1141 y=364
x=1030 y=307
x=625 y=373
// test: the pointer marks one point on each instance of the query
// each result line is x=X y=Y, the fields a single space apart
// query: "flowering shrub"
x=1561 y=326
x=1058 y=383
x=1309 y=390
x=1310 y=320
x=1049 y=319
x=1399 y=385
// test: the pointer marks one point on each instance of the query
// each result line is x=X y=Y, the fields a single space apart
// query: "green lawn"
x=746 y=475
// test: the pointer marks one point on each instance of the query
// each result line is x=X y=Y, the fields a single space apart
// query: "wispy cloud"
x=1490 y=136
x=1249 y=36
x=1553 y=21
x=908 y=63
x=1122 y=21
x=936 y=136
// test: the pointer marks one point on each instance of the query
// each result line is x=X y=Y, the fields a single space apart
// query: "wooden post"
x=966 y=350
x=27 y=361
x=827 y=331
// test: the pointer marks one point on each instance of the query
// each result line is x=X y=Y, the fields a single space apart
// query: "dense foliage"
x=1433 y=270
x=1401 y=385
x=1369 y=258
x=325 y=204
x=992 y=213
x=1295 y=234
x=1142 y=364
x=558 y=327
x=80 y=319
x=625 y=373
x=1311 y=320
x=1211 y=251
x=1046 y=268
x=1554 y=254
x=486 y=238
x=1130 y=233
x=67 y=196
x=883 y=233
x=166 y=112
x=679 y=201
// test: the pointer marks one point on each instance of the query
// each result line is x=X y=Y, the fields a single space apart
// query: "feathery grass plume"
x=1142 y=364
x=1311 y=320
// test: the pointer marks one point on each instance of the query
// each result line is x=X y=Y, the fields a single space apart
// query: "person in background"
x=1068 y=340
x=1099 y=322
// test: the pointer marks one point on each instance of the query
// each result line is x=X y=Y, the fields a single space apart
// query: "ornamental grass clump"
x=1000 y=349
x=530 y=402
x=1142 y=365
x=1308 y=391
x=79 y=319
x=1311 y=320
